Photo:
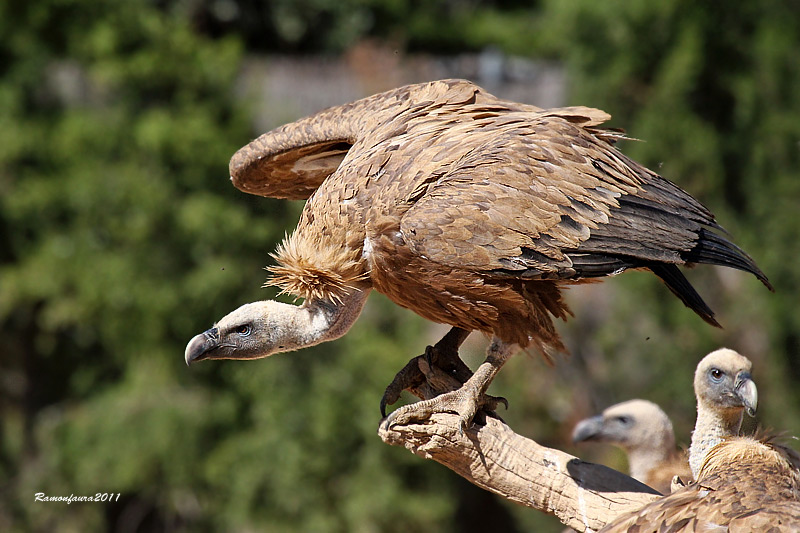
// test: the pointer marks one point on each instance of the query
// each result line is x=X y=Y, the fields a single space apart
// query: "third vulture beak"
x=746 y=390
x=587 y=429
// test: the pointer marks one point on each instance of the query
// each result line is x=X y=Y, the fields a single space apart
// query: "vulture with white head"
x=724 y=390
x=471 y=211
x=644 y=431
x=743 y=484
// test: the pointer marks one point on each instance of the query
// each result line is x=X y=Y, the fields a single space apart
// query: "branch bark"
x=584 y=496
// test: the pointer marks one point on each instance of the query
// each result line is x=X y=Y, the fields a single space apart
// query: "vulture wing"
x=540 y=195
x=290 y=162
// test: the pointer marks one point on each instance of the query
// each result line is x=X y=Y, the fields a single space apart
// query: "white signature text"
x=98 y=497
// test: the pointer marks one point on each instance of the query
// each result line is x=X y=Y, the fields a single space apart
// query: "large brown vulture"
x=644 y=431
x=470 y=210
x=743 y=484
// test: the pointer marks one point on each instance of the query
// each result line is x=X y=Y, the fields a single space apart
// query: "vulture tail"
x=680 y=287
x=717 y=250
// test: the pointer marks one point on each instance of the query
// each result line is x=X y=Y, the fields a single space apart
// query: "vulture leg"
x=419 y=373
x=467 y=400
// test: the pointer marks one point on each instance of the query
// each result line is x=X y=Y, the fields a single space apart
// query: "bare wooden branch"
x=584 y=496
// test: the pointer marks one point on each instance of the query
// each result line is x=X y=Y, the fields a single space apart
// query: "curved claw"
x=492 y=402
x=436 y=371
x=408 y=377
x=384 y=403
x=383 y=407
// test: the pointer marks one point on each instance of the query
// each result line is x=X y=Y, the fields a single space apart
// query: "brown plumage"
x=467 y=209
x=644 y=431
x=743 y=483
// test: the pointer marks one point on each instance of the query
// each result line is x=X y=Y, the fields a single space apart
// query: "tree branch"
x=584 y=496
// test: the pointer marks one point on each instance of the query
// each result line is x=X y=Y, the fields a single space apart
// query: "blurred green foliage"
x=120 y=238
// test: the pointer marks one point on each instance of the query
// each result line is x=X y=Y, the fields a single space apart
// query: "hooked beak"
x=746 y=390
x=587 y=429
x=200 y=346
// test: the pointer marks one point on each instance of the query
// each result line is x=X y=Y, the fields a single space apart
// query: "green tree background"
x=120 y=238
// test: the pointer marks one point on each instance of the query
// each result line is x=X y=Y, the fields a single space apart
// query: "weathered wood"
x=584 y=496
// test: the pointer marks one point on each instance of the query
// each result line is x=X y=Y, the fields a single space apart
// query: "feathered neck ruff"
x=311 y=269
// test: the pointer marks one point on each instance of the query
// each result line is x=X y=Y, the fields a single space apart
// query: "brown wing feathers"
x=478 y=186
x=746 y=485
x=658 y=228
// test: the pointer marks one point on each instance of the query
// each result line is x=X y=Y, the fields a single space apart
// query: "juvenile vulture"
x=469 y=210
x=644 y=431
x=742 y=484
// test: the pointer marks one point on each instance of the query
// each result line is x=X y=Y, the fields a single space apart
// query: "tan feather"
x=326 y=273
x=745 y=485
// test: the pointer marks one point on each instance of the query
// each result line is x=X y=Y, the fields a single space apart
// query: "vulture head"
x=644 y=431
x=631 y=425
x=252 y=331
x=260 y=329
x=724 y=390
x=722 y=383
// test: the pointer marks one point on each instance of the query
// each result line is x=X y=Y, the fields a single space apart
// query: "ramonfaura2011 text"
x=98 y=497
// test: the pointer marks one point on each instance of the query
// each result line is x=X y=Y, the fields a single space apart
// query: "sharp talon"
x=504 y=401
x=429 y=355
x=383 y=407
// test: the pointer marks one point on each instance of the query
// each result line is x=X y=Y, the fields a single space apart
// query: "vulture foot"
x=465 y=401
x=437 y=371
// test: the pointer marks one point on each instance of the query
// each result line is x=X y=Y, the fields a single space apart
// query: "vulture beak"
x=200 y=346
x=745 y=389
x=587 y=429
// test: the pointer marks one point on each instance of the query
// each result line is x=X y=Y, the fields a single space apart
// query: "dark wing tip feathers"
x=711 y=249
x=715 y=249
x=680 y=287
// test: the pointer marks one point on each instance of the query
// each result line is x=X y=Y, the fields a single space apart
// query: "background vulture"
x=469 y=210
x=644 y=431
x=743 y=484
x=724 y=390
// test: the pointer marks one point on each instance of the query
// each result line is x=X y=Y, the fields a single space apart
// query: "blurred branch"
x=584 y=496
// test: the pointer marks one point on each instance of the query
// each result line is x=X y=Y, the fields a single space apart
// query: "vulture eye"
x=244 y=330
x=716 y=375
x=624 y=420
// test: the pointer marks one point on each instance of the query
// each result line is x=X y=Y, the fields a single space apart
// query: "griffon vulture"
x=644 y=431
x=724 y=390
x=470 y=210
x=742 y=484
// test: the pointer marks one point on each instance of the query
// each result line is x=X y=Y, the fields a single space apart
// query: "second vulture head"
x=723 y=381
